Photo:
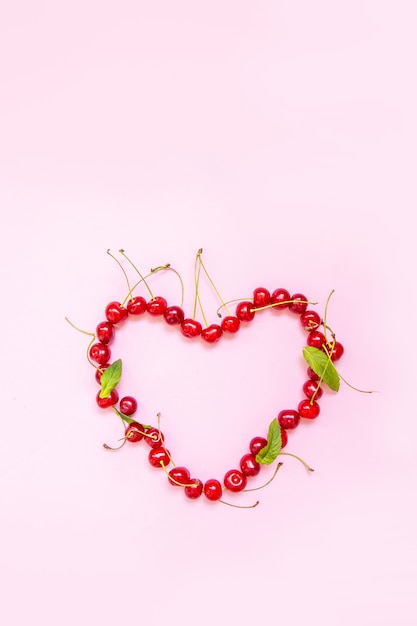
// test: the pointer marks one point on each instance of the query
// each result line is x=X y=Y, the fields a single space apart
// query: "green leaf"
x=110 y=378
x=323 y=366
x=269 y=453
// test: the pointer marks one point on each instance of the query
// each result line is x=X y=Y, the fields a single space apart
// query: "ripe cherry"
x=159 y=456
x=134 y=432
x=174 y=315
x=230 y=324
x=312 y=389
x=105 y=403
x=316 y=339
x=100 y=353
x=261 y=297
x=154 y=437
x=256 y=445
x=280 y=298
x=212 y=333
x=100 y=370
x=284 y=437
x=213 y=489
x=128 y=405
x=157 y=306
x=179 y=474
x=336 y=351
x=288 y=419
x=105 y=332
x=191 y=328
x=245 y=312
x=249 y=465
x=310 y=320
x=299 y=303
x=194 y=489
x=136 y=306
x=115 y=312
x=312 y=374
x=308 y=410
x=235 y=480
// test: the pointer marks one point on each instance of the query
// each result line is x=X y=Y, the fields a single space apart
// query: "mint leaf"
x=110 y=378
x=269 y=453
x=322 y=365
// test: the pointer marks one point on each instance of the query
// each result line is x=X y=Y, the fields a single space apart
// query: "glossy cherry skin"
x=308 y=410
x=311 y=389
x=180 y=475
x=111 y=400
x=245 y=312
x=212 y=333
x=100 y=370
x=288 y=419
x=154 y=437
x=230 y=324
x=316 y=339
x=128 y=405
x=280 y=297
x=194 y=489
x=256 y=445
x=284 y=437
x=310 y=320
x=261 y=297
x=213 y=489
x=136 y=306
x=100 y=353
x=174 y=315
x=191 y=328
x=312 y=374
x=158 y=457
x=249 y=465
x=156 y=306
x=115 y=312
x=105 y=332
x=134 y=432
x=299 y=304
x=234 y=480
x=338 y=350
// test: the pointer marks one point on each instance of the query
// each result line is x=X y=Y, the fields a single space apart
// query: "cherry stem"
x=173 y=479
x=269 y=481
x=230 y=302
x=85 y=332
x=196 y=281
x=168 y=267
x=121 y=267
x=200 y=252
x=270 y=306
x=122 y=252
x=118 y=447
x=355 y=388
x=130 y=294
x=294 y=456
x=325 y=327
x=158 y=415
x=237 y=506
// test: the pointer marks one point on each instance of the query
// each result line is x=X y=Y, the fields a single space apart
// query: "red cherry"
x=136 y=306
x=174 y=315
x=156 y=306
x=337 y=352
x=310 y=320
x=316 y=339
x=230 y=324
x=308 y=410
x=105 y=332
x=128 y=405
x=159 y=456
x=180 y=475
x=154 y=437
x=191 y=328
x=213 y=489
x=299 y=303
x=249 y=465
x=288 y=419
x=235 y=480
x=112 y=399
x=134 y=432
x=311 y=389
x=256 y=445
x=244 y=311
x=194 y=489
x=115 y=312
x=100 y=370
x=261 y=297
x=284 y=437
x=212 y=333
x=312 y=374
x=100 y=353
x=280 y=296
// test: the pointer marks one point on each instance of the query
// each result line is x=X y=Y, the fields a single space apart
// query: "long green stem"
x=294 y=456
x=212 y=283
x=269 y=481
x=122 y=268
x=122 y=252
x=197 y=281
x=168 y=267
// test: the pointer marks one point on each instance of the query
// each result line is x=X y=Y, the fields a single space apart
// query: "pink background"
x=280 y=137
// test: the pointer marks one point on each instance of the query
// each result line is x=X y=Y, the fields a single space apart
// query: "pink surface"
x=280 y=137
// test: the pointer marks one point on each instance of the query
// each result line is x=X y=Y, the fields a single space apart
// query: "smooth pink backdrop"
x=280 y=137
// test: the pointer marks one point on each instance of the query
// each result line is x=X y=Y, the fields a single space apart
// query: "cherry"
x=299 y=303
x=284 y=437
x=156 y=306
x=337 y=352
x=100 y=370
x=235 y=480
x=100 y=353
x=136 y=306
x=212 y=333
x=105 y=332
x=159 y=456
x=115 y=312
x=174 y=315
x=261 y=297
x=180 y=474
x=316 y=339
x=154 y=437
x=308 y=410
x=134 y=432
x=256 y=445
x=244 y=311
x=249 y=465
x=310 y=320
x=213 y=489
x=230 y=324
x=128 y=405
x=191 y=328
x=312 y=389
x=312 y=374
x=288 y=419
x=112 y=399
x=194 y=489
x=280 y=296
